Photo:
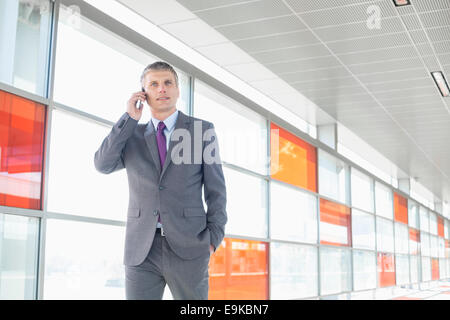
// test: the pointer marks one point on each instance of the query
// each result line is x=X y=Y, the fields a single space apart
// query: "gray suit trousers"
x=187 y=279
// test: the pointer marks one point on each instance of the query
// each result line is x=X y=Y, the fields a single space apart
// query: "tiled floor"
x=439 y=292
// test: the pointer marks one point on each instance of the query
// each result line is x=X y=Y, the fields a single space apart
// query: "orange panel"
x=337 y=215
x=400 y=208
x=434 y=269
x=447 y=248
x=292 y=160
x=22 y=124
x=386 y=270
x=441 y=227
x=239 y=270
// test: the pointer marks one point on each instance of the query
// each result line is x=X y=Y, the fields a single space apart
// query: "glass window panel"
x=239 y=270
x=426 y=269
x=335 y=270
x=335 y=222
x=441 y=243
x=362 y=191
x=384 y=202
x=293 y=271
x=402 y=269
x=83 y=267
x=24 y=44
x=446 y=229
x=424 y=219
x=22 y=125
x=18 y=257
x=414 y=241
x=246 y=204
x=113 y=64
x=333 y=176
x=293 y=214
x=434 y=246
x=364 y=270
x=442 y=269
x=401 y=238
x=425 y=244
x=386 y=270
x=363 y=229
x=433 y=223
x=415 y=268
x=242 y=132
x=103 y=196
x=385 y=235
x=400 y=208
x=292 y=160
x=413 y=214
x=447 y=248
x=440 y=227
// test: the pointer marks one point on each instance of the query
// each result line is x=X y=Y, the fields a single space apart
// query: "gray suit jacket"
x=174 y=192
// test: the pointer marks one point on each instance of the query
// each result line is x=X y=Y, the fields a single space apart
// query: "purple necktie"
x=161 y=140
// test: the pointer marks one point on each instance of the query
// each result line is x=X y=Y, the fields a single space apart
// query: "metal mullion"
x=24 y=94
x=21 y=212
x=76 y=218
x=83 y=115
x=44 y=191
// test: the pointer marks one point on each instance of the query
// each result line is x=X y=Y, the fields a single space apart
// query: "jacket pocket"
x=194 y=212
x=134 y=212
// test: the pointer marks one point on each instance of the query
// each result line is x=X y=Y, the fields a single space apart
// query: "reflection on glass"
x=426 y=269
x=102 y=196
x=402 y=269
x=333 y=175
x=415 y=268
x=24 y=44
x=383 y=200
x=239 y=270
x=385 y=235
x=293 y=214
x=83 y=261
x=18 y=257
x=425 y=244
x=293 y=271
x=22 y=128
x=364 y=270
x=433 y=223
x=107 y=64
x=292 y=160
x=242 y=133
x=363 y=229
x=424 y=219
x=434 y=246
x=335 y=270
x=401 y=238
x=246 y=204
x=362 y=191
x=434 y=269
x=414 y=241
x=413 y=214
x=335 y=222
x=400 y=208
x=386 y=270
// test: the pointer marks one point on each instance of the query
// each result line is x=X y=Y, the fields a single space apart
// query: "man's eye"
x=168 y=82
x=154 y=84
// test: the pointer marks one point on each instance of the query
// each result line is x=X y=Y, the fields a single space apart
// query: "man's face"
x=161 y=89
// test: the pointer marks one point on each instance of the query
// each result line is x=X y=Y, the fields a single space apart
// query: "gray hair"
x=157 y=66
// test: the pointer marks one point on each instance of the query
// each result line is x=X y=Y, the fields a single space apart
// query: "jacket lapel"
x=183 y=122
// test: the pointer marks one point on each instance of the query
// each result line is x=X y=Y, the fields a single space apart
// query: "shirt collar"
x=169 y=121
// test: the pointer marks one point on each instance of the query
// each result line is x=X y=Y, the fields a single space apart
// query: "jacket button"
x=155 y=212
x=161 y=188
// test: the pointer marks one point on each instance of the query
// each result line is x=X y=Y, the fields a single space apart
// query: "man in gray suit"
x=169 y=236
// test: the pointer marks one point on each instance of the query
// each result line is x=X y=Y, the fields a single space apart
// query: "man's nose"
x=162 y=88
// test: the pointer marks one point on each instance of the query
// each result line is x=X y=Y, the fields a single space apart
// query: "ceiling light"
x=401 y=3
x=442 y=84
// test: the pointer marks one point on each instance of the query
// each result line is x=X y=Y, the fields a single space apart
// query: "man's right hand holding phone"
x=132 y=104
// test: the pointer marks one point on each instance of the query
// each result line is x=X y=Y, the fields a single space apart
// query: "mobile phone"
x=140 y=102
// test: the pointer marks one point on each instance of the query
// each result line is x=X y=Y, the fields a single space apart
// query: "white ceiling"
x=375 y=81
